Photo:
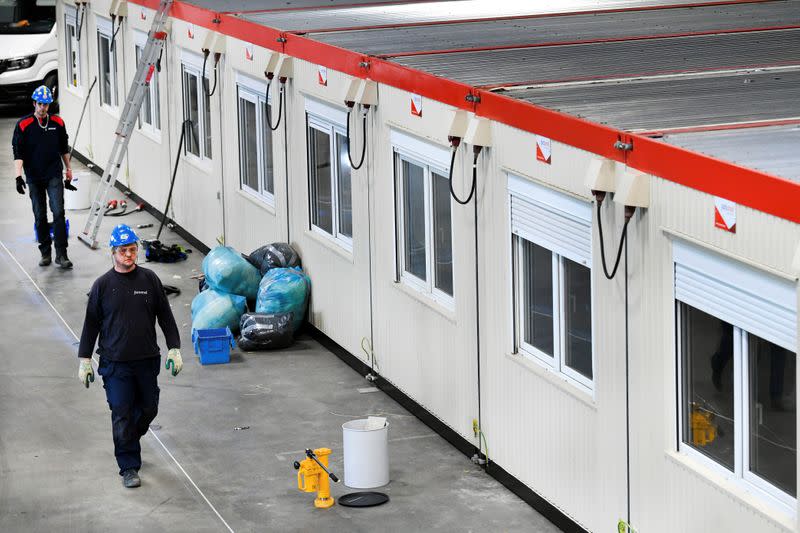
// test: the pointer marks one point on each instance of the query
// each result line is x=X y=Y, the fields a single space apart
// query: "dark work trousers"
x=39 y=192
x=132 y=394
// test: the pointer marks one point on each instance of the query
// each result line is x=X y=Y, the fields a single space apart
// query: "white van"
x=28 y=48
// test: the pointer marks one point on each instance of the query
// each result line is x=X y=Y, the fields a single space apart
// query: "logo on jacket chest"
x=139 y=292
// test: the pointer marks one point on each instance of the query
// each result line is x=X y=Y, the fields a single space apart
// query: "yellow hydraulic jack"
x=311 y=476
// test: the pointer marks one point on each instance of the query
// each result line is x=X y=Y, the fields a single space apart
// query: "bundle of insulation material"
x=265 y=331
x=284 y=290
x=226 y=271
x=215 y=309
x=275 y=255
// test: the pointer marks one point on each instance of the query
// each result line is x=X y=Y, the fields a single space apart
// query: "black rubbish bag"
x=277 y=254
x=262 y=331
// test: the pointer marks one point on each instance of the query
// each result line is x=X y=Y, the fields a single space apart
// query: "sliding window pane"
x=414 y=220
x=248 y=143
x=266 y=135
x=104 y=68
x=578 y=317
x=772 y=409
x=207 y=124
x=192 y=134
x=442 y=234
x=537 y=284
x=319 y=144
x=706 y=346
x=345 y=188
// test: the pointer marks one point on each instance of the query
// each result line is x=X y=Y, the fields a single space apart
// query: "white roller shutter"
x=551 y=219
x=755 y=301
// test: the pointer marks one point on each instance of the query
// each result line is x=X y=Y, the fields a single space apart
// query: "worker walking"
x=40 y=145
x=124 y=304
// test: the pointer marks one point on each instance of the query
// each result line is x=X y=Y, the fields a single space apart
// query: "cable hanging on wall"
x=114 y=32
x=217 y=55
x=629 y=211
x=364 y=110
x=79 y=22
x=281 y=96
x=455 y=142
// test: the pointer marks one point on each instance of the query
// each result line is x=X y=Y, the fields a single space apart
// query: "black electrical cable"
x=477 y=311
x=186 y=124
x=602 y=243
x=216 y=64
x=627 y=387
x=476 y=153
x=206 y=51
x=80 y=23
x=363 y=145
x=80 y=120
x=114 y=34
x=272 y=126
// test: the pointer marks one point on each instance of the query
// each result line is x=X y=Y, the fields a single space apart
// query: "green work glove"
x=174 y=361
x=85 y=371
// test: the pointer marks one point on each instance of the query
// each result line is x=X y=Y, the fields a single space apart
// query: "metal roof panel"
x=396 y=41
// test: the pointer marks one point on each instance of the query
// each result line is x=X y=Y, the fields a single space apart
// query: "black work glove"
x=20 y=185
x=69 y=186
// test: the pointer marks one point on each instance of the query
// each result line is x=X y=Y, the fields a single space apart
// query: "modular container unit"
x=664 y=397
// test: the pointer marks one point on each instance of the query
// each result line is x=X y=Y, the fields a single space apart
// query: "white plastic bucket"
x=80 y=199
x=366 y=454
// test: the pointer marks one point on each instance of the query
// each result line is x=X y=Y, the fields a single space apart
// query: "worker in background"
x=40 y=145
x=123 y=307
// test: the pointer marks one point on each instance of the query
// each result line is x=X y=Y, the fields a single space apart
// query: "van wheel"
x=51 y=80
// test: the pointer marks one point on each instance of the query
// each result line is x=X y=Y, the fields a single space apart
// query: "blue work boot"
x=130 y=479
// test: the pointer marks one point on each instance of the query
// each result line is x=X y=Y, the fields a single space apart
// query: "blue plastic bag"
x=284 y=290
x=214 y=309
x=227 y=271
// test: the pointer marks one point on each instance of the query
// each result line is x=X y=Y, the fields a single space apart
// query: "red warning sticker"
x=190 y=31
x=322 y=76
x=248 y=52
x=416 y=105
x=725 y=214
x=543 y=152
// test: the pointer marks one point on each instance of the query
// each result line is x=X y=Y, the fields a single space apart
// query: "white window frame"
x=432 y=159
x=330 y=121
x=72 y=46
x=581 y=213
x=192 y=63
x=104 y=30
x=738 y=276
x=254 y=91
x=140 y=41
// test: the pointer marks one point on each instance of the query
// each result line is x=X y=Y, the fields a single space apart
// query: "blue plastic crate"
x=213 y=345
x=50 y=227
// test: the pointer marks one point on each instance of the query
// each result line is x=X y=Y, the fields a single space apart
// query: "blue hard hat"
x=43 y=95
x=121 y=235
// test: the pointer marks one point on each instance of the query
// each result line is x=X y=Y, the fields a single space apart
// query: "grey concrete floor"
x=57 y=468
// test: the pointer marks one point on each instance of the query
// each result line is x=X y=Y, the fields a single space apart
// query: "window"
x=553 y=279
x=72 y=47
x=256 y=164
x=424 y=216
x=196 y=107
x=329 y=173
x=150 y=112
x=737 y=328
x=106 y=63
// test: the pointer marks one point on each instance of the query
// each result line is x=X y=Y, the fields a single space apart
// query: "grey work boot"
x=130 y=479
x=63 y=261
x=46 y=259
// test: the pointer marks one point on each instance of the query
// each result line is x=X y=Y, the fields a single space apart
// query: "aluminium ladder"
x=127 y=121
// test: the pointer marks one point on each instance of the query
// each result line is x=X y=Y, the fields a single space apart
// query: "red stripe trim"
x=745 y=186
x=639 y=75
x=720 y=127
x=522 y=17
x=57 y=119
x=776 y=196
x=589 y=41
